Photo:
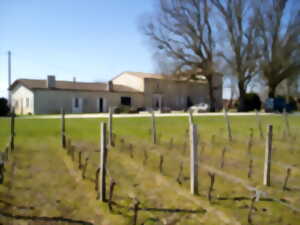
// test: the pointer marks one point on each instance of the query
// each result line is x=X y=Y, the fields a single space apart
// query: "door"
x=100 y=105
x=77 y=105
x=157 y=101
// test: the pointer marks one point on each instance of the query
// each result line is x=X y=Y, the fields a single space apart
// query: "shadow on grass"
x=166 y=210
x=44 y=219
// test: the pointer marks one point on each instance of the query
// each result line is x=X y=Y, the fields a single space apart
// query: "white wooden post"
x=153 y=127
x=228 y=125
x=191 y=119
x=110 y=127
x=194 y=159
x=268 y=156
x=103 y=161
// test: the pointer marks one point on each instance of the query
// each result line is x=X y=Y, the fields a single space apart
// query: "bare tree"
x=242 y=55
x=183 y=31
x=279 y=38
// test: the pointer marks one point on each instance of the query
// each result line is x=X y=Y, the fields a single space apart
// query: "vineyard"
x=53 y=172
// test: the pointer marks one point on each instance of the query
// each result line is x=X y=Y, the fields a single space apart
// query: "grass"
x=38 y=160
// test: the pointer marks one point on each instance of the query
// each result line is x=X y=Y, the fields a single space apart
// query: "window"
x=76 y=104
x=27 y=102
x=126 y=101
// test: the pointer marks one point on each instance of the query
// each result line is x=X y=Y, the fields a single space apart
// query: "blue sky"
x=92 y=40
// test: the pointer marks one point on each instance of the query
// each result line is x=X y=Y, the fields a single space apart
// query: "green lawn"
x=39 y=165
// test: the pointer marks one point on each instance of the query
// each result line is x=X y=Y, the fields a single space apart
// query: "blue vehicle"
x=278 y=104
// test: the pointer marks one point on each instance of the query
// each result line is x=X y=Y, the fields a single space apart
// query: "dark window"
x=100 y=104
x=126 y=101
x=76 y=102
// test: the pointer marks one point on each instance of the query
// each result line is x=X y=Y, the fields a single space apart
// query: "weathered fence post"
x=85 y=167
x=97 y=182
x=111 y=193
x=130 y=148
x=161 y=163
x=222 y=162
x=12 y=131
x=135 y=211
x=153 y=127
x=286 y=179
x=250 y=168
x=63 y=129
x=268 y=156
x=258 y=120
x=110 y=127
x=194 y=159
x=211 y=187
x=80 y=160
x=103 y=160
x=2 y=169
x=191 y=119
x=286 y=121
x=145 y=157
x=251 y=209
x=178 y=179
x=228 y=125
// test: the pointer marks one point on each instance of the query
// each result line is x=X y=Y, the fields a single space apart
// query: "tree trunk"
x=212 y=99
x=272 y=91
x=242 y=105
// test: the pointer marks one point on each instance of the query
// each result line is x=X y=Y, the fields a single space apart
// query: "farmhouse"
x=134 y=89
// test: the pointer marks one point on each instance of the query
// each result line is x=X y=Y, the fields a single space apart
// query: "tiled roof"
x=72 y=86
x=160 y=77
x=147 y=75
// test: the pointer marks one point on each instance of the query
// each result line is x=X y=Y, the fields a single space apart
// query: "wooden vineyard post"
x=268 y=157
x=222 y=162
x=228 y=125
x=286 y=179
x=258 y=120
x=103 y=161
x=191 y=119
x=153 y=127
x=211 y=187
x=194 y=159
x=12 y=131
x=110 y=127
x=80 y=160
x=63 y=129
x=161 y=163
x=111 y=193
x=135 y=211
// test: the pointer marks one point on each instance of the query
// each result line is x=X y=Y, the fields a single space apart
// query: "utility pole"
x=9 y=78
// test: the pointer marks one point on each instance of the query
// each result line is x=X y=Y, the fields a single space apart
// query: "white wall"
x=129 y=80
x=51 y=101
x=23 y=100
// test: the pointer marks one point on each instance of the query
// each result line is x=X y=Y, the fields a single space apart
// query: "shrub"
x=252 y=102
x=125 y=109
x=4 y=109
x=292 y=105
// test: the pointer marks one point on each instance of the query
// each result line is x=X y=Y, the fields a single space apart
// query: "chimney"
x=74 y=79
x=109 y=86
x=51 y=81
